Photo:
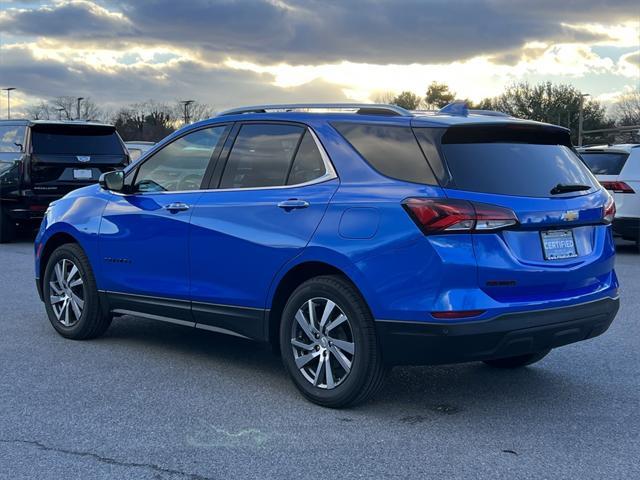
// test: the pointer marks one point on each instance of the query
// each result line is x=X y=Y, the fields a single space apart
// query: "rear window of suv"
x=391 y=150
x=75 y=140
x=605 y=163
x=517 y=162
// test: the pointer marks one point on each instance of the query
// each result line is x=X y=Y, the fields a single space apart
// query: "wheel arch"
x=56 y=240
x=291 y=280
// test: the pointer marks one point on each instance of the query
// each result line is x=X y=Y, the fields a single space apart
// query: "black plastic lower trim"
x=242 y=321
x=628 y=228
x=419 y=343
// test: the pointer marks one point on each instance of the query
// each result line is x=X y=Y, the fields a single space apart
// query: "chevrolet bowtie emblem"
x=570 y=215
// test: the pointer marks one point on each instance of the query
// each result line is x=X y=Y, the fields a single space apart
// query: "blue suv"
x=352 y=237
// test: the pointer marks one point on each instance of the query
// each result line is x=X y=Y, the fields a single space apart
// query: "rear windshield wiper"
x=566 y=188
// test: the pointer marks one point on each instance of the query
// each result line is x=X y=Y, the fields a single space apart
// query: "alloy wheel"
x=323 y=343
x=67 y=292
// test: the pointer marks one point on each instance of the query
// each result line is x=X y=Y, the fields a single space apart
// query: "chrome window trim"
x=330 y=174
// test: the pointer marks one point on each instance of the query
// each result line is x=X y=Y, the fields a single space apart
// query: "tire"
x=519 y=361
x=92 y=322
x=7 y=228
x=351 y=342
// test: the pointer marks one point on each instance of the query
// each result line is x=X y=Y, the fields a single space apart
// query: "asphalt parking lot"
x=155 y=401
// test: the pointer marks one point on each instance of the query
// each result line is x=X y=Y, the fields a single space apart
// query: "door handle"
x=293 y=204
x=176 y=207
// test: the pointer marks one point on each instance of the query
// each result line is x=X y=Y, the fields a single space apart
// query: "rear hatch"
x=560 y=246
x=607 y=165
x=65 y=157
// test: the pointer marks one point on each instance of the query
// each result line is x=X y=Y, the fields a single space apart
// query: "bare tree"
x=39 y=111
x=627 y=109
x=386 y=97
x=197 y=111
x=145 y=121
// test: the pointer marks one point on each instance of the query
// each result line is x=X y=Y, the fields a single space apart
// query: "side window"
x=11 y=138
x=308 y=164
x=391 y=150
x=261 y=156
x=181 y=165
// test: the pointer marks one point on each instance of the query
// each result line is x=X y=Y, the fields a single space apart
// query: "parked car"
x=354 y=237
x=41 y=161
x=617 y=168
x=137 y=148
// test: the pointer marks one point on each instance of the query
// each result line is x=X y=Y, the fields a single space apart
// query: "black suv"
x=42 y=160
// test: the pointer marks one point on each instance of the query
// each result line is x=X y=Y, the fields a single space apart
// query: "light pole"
x=186 y=104
x=78 y=108
x=581 y=117
x=8 y=89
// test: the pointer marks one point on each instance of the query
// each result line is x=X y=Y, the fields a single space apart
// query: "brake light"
x=609 y=210
x=617 y=187
x=452 y=215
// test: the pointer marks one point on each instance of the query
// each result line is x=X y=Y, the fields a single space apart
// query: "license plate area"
x=82 y=173
x=558 y=244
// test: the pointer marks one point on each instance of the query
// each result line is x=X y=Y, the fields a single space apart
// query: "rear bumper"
x=419 y=343
x=628 y=227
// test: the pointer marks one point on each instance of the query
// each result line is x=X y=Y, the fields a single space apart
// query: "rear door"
x=271 y=188
x=65 y=157
x=561 y=246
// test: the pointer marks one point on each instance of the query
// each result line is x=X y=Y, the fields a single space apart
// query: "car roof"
x=413 y=118
x=616 y=148
x=28 y=122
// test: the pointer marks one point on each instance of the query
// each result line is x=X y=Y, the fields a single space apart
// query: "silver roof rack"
x=360 y=108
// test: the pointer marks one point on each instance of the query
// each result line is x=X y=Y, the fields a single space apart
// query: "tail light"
x=451 y=215
x=609 y=210
x=617 y=187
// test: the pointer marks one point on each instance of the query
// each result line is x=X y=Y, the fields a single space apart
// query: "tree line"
x=147 y=121
x=546 y=102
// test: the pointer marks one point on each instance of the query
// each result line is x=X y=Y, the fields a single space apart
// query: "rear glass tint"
x=605 y=163
x=68 y=140
x=522 y=169
x=391 y=150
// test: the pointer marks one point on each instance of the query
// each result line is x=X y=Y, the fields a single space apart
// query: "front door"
x=144 y=234
x=273 y=192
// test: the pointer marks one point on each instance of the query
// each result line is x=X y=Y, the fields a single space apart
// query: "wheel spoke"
x=339 y=320
x=77 y=300
x=66 y=321
x=312 y=314
x=342 y=345
x=329 y=373
x=297 y=343
x=342 y=359
x=58 y=272
x=56 y=288
x=76 y=308
x=72 y=273
x=57 y=299
x=306 y=328
x=316 y=379
x=304 y=359
x=328 y=308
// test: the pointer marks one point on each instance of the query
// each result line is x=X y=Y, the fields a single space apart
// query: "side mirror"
x=112 y=181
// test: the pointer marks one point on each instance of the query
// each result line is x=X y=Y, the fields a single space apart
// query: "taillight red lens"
x=617 y=187
x=609 y=210
x=452 y=215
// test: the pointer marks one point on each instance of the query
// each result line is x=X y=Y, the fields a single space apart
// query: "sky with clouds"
x=229 y=53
